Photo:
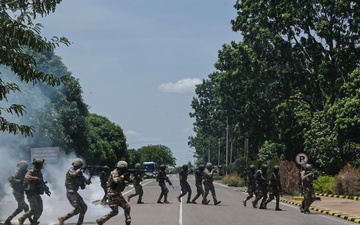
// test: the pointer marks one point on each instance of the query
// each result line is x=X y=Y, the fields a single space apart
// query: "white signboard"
x=50 y=154
x=301 y=158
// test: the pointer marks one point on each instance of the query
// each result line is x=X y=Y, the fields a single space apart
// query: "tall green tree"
x=19 y=33
x=159 y=154
x=107 y=142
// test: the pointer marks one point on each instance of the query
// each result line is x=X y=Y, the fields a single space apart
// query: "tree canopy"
x=157 y=153
x=290 y=83
x=18 y=35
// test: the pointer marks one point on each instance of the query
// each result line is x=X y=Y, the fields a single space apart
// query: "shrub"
x=347 y=182
x=290 y=177
x=233 y=180
x=324 y=184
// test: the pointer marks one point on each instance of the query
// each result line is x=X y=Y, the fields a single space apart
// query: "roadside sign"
x=301 y=158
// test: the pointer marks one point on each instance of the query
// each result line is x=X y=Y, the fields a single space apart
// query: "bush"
x=289 y=177
x=347 y=182
x=233 y=180
x=324 y=184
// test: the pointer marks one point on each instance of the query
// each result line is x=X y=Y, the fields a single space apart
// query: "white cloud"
x=181 y=86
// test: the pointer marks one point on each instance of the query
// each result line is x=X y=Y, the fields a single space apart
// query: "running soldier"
x=137 y=185
x=73 y=181
x=118 y=180
x=275 y=188
x=208 y=184
x=198 y=182
x=161 y=178
x=261 y=187
x=185 y=187
x=307 y=178
x=17 y=183
x=251 y=190
x=104 y=176
x=34 y=187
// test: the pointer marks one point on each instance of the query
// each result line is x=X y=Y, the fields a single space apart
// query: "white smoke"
x=57 y=204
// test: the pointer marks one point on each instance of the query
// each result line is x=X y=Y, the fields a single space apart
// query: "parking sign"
x=301 y=158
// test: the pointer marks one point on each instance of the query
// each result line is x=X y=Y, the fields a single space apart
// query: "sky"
x=138 y=61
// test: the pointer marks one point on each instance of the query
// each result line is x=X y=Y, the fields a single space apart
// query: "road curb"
x=355 y=219
x=339 y=196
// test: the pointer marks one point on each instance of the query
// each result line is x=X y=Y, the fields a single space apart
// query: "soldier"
x=161 y=178
x=16 y=181
x=104 y=176
x=208 y=184
x=261 y=187
x=185 y=187
x=137 y=185
x=275 y=188
x=118 y=180
x=73 y=181
x=34 y=186
x=307 y=178
x=251 y=190
x=198 y=182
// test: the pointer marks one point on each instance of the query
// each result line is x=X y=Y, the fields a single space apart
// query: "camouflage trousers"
x=116 y=200
x=185 y=188
x=79 y=207
x=261 y=193
x=274 y=193
x=209 y=187
x=104 y=187
x=309 y=198
x=164 y=191
x=138 y=191
x=251 y=190
x=36 y=208
x=20 y=199
x=199 y=191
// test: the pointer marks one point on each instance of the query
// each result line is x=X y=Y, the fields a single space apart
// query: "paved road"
x=229 y=212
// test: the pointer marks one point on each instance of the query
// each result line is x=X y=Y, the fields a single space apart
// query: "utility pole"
x=219 y=153
x=227 y=143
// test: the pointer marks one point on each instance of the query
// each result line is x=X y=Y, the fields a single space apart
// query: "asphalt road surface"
x=230 y=212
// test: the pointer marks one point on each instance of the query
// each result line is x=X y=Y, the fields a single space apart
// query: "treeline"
x=290 y=85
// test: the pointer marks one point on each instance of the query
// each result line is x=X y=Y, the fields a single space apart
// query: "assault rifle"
x=43 y=187
x=136 y=171
x=216 y=168
x=169 y=182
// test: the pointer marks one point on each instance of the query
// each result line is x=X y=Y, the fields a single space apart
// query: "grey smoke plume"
x=57 y=204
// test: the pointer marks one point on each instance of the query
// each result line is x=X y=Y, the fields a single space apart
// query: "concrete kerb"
x=355 y=219
x=339 y=196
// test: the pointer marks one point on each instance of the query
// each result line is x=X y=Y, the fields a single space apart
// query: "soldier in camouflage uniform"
x=261 y=187
x=208 y=184
x=307 y=178
x=34 y=187
x=137 y=185
x=73 y=181
x=161 y=178
x=275 y=188
x=251 y=190
x=104 y=176
x=198 y=182
x=118 y=179
x=185 y=187
x=17 y=183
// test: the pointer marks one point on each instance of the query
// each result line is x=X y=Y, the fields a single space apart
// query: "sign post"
x=301 y=159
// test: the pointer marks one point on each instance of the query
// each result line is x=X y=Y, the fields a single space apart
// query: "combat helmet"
x=209 y=165
x=185 y=167
x=137 y=165
x=264 y=168
x=201 y=167
x=308 y=167
x=162 y=167
x=78 y=163
x=252 y=168
x=38 y=163
x=22 y=164
x=122 y=165
x=276 y=169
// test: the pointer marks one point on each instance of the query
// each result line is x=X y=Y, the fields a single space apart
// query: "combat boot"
x=21 y=221
x=254 y=204
x=7 y=222
x=99 y=222
x=244 y=203
x=61 y=221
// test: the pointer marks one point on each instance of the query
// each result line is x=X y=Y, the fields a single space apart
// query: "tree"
x=157 y=153
x=19 y=33
x=107 y=141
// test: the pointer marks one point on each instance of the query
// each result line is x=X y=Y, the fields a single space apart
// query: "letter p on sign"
x=301 y=158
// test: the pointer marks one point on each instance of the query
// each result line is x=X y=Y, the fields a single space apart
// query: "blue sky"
x=138 y=61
